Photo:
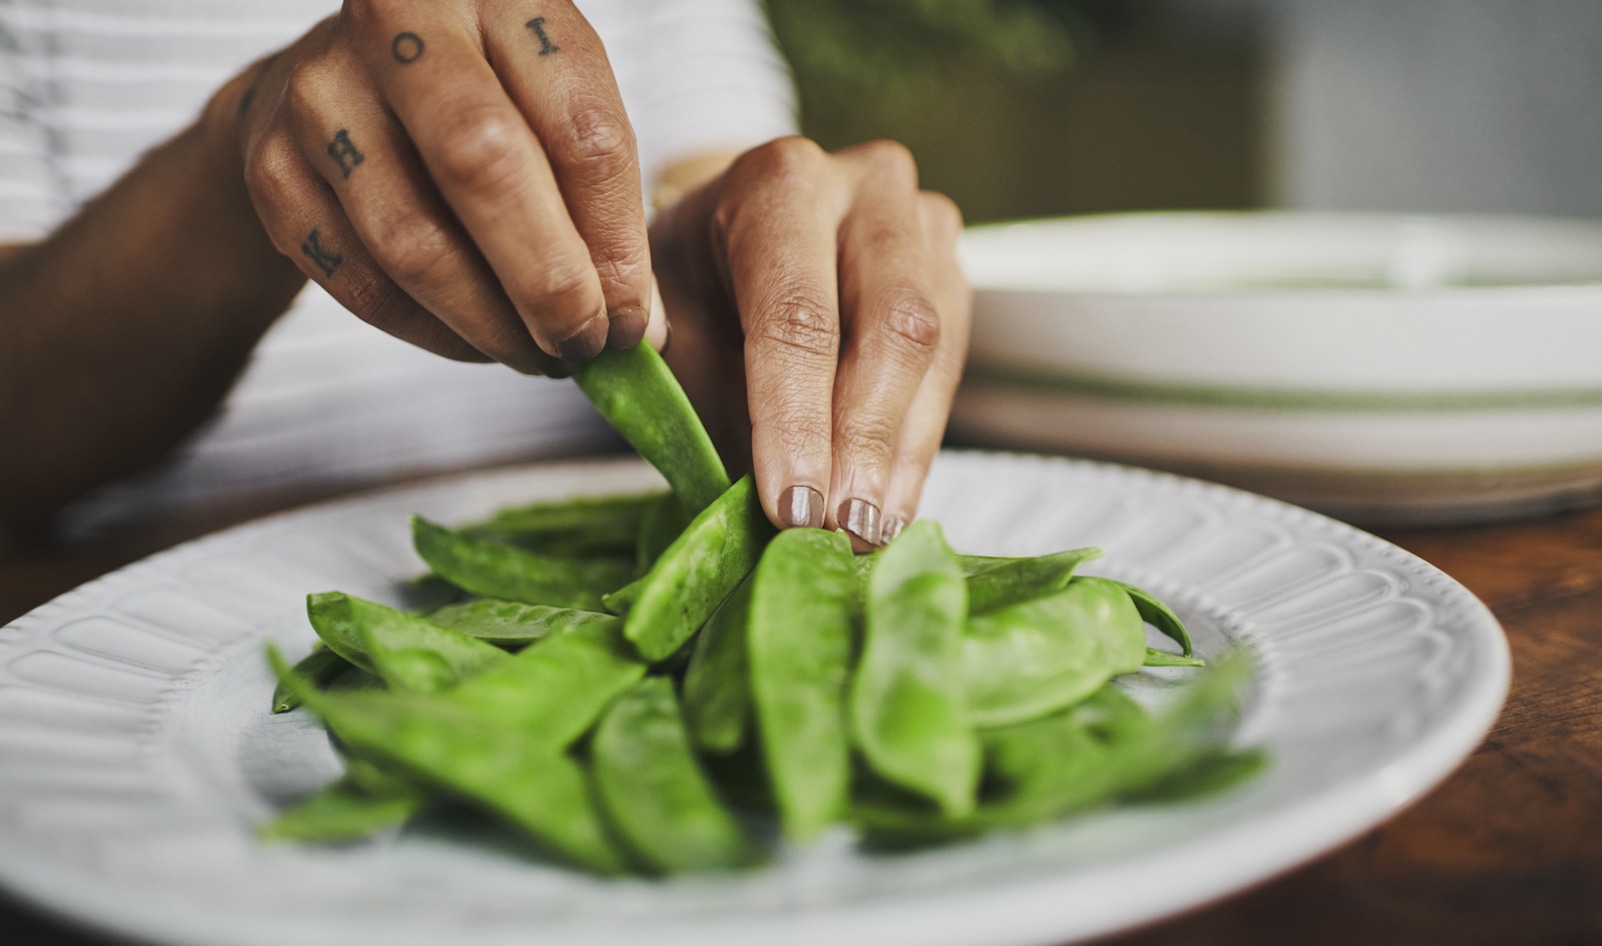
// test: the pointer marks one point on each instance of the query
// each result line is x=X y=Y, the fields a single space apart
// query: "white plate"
x=136 y=752
x=1378 y=366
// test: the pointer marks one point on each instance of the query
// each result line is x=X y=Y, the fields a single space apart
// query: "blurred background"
x=1027 y=108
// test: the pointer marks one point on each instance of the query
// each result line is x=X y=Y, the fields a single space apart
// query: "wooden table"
x=1508 y=850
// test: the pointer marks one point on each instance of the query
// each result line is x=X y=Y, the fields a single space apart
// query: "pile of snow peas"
x=652 y=683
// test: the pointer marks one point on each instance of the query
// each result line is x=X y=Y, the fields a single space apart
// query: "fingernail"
x=667 y=340
x=860 y=518
x=628 y=327
x=585 y=343
x=892 y=528
x=801 y=507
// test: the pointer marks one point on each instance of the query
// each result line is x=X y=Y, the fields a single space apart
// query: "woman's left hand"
x=819 y=322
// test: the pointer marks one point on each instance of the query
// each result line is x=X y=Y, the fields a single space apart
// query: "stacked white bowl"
x=1378 y=367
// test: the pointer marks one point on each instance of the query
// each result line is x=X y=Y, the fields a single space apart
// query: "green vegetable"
x=581 y=527
x=801 y=641
x=1034 y=658
x=322 y=666
x=696 y=573
x=1011 y=581
x=406 y=651
x=1160 y=658
x=908 y=710
x=553 y=691
x=342 y=811
x=638 y=395
x=541 y=791
x=495 y=570
x=654 y=790
x=1160 y=616
x=512 y=622
x=661 y=524
x=717 y=685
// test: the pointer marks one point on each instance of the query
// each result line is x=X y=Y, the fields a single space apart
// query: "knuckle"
x=891 y=160
x=789 y=159
x=413 y=249
x=480 y=147
x=308 y=85
x=866 y=437
x=912 y=323
x=558 y=289
x=371 y=296
x=800 y=322
x=941 y=216
x=600 y=136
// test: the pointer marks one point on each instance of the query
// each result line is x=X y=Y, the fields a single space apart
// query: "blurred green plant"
x=895 y=48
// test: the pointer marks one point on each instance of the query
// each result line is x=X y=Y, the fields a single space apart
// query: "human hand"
x=460 y=174
x=824 y=291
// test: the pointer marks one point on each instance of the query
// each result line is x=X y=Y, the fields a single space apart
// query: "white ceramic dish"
x=136 y=752
x=1379 y=367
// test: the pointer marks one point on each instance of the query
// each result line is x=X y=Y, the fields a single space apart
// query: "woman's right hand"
x=459 y=174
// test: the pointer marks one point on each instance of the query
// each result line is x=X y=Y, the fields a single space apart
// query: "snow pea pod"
x=407 y=651
x=495 y=570
x=1011 y=581
x=653 y=789
x=696 y=573
x=717 y=685
x=1159 y=615
x=1161 y=658
x=322 y=666
x=513 y=623
x=1039 y=656
x=638 y=395
x=552 y=692
x=540 y=790
x=343 y=811
x=660 y=525
x=574 y=527
x=907 y=702
x=800 y=640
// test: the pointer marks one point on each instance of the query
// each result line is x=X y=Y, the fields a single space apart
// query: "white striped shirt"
x=87 y=85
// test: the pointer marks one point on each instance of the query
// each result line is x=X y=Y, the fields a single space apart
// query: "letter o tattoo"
x=407 y=48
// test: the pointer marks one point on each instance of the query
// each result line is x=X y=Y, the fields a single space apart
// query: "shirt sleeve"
x=30 y=195
x=706 y=77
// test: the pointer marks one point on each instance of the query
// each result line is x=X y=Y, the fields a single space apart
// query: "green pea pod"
x=1037 y=657
x=464 y=753
x=407 y=651
x=322 y=666
x=801 y=640
x=552 y=692
x=661 y=524
x=513 y=623
x=502 y=571
x=342 y=812
x=907 y=703
x=717 y=685
x=653 y=789
x=1011 y=581
x=638 y=395
x=1159 y=615
x=696 y=573
x=1161 y=658
x=585 y=526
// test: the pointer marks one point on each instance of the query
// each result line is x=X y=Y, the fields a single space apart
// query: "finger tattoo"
x=344 y=152
x=406 y=48
x=546 y=46
x=327 y=260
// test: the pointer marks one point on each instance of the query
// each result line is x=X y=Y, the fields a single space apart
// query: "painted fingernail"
x=585 y=343
x=628 y=327
x=892 y=527
x=801 y=507
x=860 y=518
